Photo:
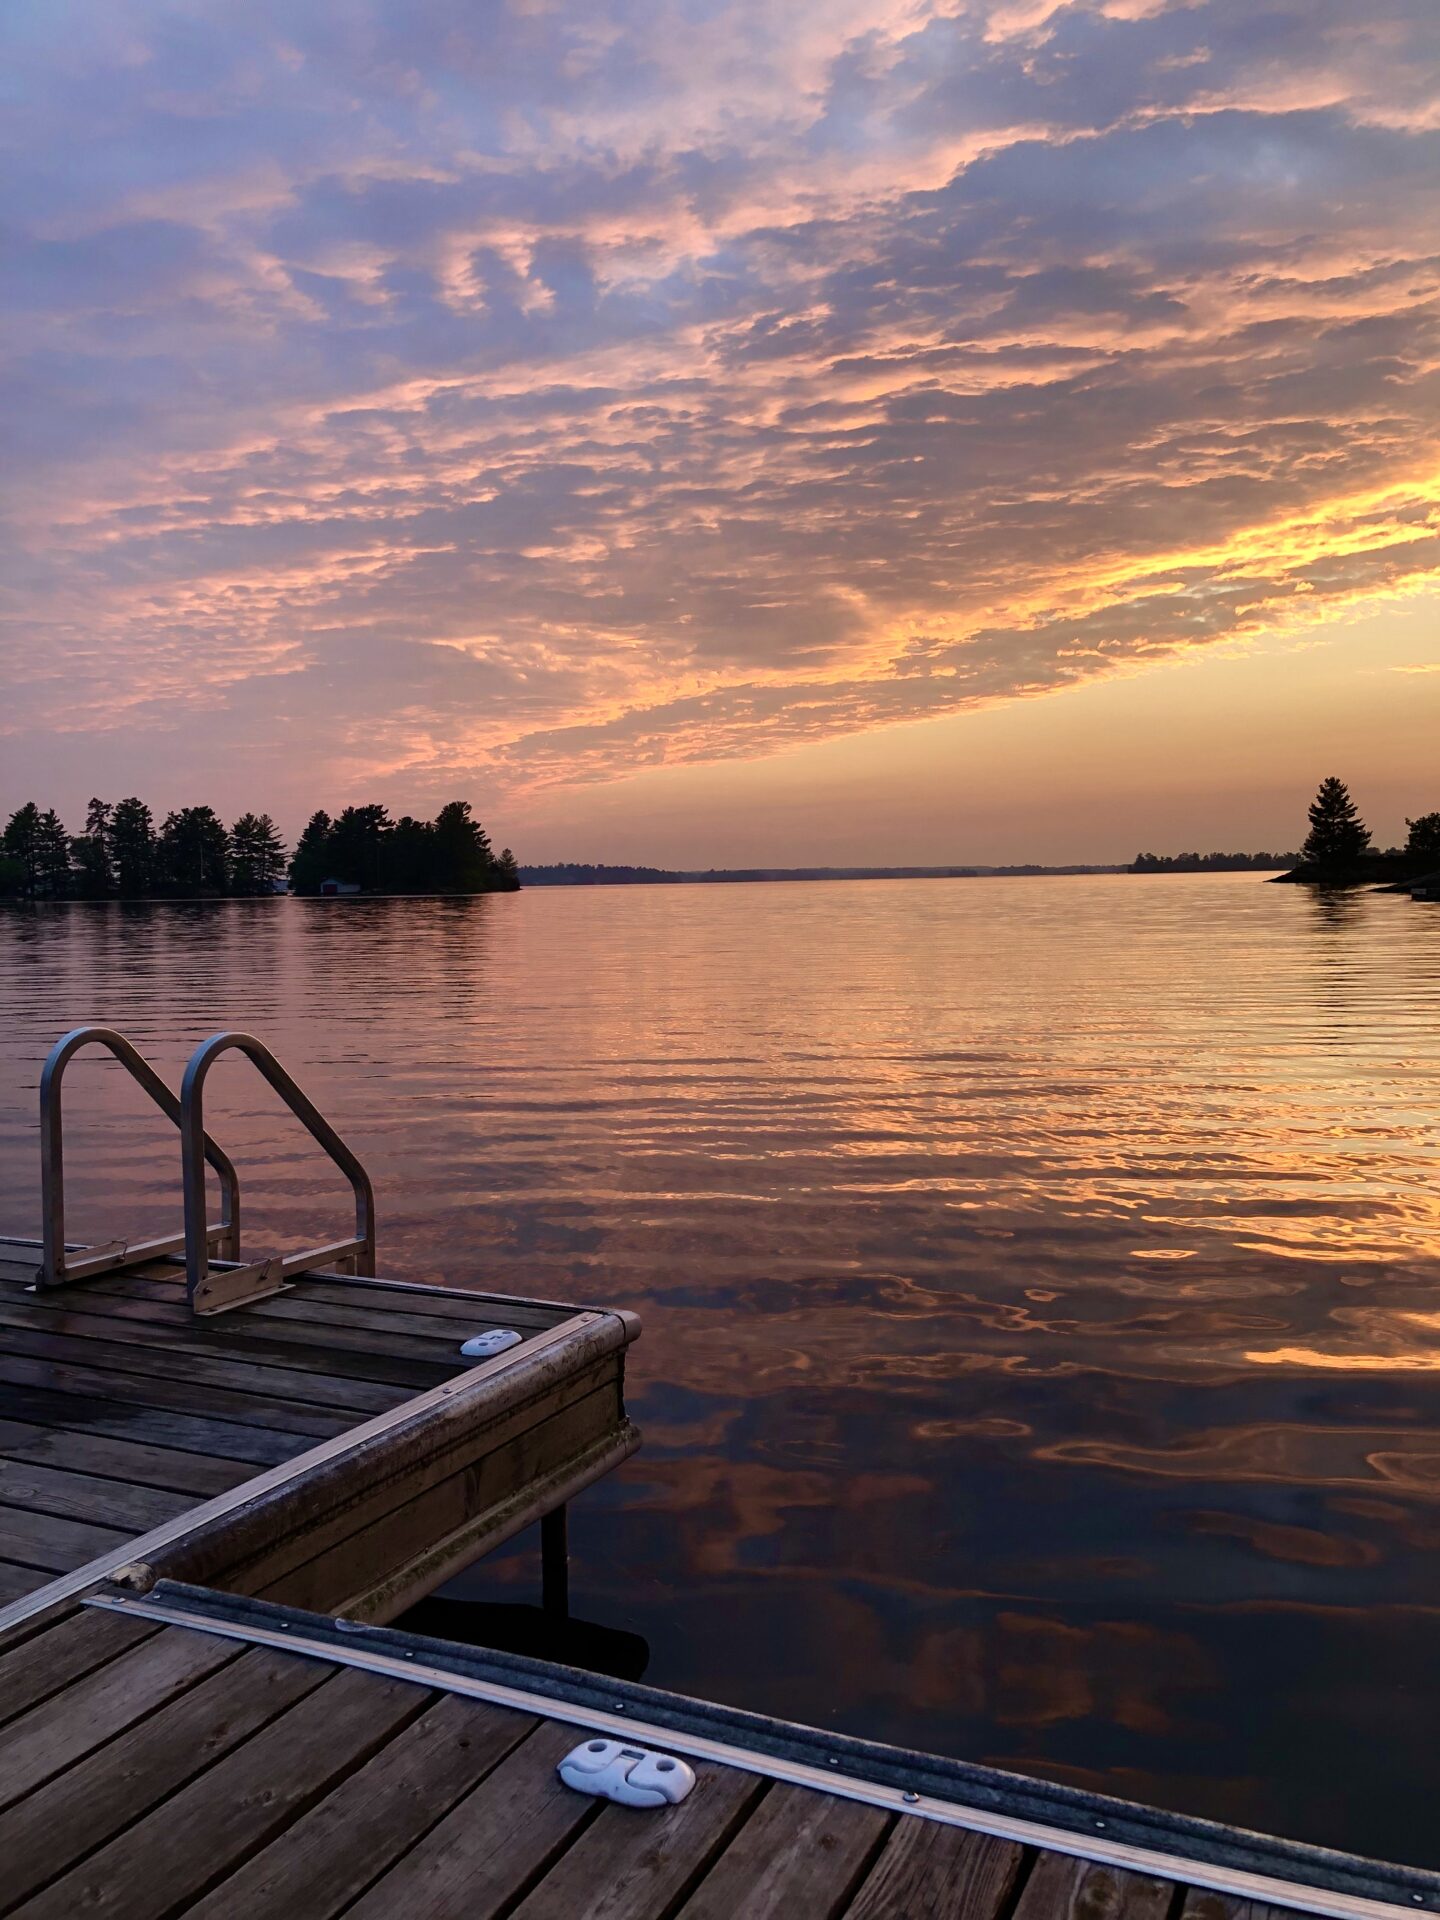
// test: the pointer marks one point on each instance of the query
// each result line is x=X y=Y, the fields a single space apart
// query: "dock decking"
x=186 y=1754
x=328 y=1445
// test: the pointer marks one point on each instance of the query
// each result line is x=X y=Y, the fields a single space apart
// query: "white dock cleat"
x=630 y=1776
x=484 y=1346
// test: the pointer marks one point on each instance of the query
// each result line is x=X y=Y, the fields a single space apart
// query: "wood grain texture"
x=185 y=1845
x=631 y=1864
x=55 y=1734
x=424 y=1317
x=1202 y=1905
x=1061 y=1888
x=64 y=1368
x=800 y=1852
x=491 y=1845
x=352 y=1549
x=298 y=1345
x=73 y=1646
x=927 y=1871
x=16 y=1581
x=55 y=1406
x=135 y=1462
x=170 y=1354
x=328 y=1858
x=50 y=1830
x=83 y=1496
x=54 y=1545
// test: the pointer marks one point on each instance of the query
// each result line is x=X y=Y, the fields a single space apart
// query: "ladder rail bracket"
x=61 y=1265
x=214 y=1293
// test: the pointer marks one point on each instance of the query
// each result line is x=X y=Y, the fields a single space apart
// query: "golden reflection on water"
x=1039 y=1278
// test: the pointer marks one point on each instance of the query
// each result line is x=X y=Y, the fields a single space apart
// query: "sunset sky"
x=712 y=433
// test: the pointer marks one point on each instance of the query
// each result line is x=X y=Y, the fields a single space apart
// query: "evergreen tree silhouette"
x=1338 y=837
x=131 y=837
x=1422 y=847
x=257 y=854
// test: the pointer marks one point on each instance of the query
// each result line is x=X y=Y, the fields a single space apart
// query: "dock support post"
x=555 y=1564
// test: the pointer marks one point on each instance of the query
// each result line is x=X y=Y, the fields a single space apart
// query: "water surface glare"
x=1041 y=1278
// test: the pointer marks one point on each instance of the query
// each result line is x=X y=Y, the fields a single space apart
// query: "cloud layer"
x=537 y=392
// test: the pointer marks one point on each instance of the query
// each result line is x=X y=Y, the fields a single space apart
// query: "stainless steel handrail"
x=56 y=1270
x=211 y=1290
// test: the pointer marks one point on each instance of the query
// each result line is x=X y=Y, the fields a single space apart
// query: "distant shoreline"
x=543 y=879
x=576 y=875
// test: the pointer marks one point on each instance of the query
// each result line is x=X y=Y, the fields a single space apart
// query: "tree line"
x=1337 y=848
x=123 y=854
x=363 y=847
x=1212 y=862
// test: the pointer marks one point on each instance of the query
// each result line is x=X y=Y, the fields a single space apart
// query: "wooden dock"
x=327 y=1446
x=187 y=1753
x=206 y=1524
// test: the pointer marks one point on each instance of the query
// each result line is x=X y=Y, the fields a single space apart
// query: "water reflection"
x=1039 y=1278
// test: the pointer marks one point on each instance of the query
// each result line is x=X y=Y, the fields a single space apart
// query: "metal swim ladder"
x=215 y=1277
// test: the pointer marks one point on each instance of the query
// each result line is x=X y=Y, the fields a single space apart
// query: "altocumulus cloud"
x=555 y=389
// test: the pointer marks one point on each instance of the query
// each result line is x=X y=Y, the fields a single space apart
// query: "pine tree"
x=464 y=860
x=194 y=852
x=21 y=841
x=507 y=872
x=257 y=854
x=311 y=864
x=131 y=838
x=1338 y=836
x=90 y=851
x=52 y=858
x=1422 y=847
x=357 y=846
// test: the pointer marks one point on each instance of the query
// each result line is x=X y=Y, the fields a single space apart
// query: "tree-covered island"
x=122 y=854
x=1337 y=852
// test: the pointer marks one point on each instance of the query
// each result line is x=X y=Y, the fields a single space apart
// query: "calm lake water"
x=1041 y=1278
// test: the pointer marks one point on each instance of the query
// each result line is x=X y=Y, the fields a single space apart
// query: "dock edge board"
x=1036 y=1813
x=255 y=1504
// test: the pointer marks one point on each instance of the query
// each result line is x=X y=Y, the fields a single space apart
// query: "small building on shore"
x=330 y=888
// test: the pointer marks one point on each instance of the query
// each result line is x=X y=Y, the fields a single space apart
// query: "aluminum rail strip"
x=236 y=1501
x=56 y=1269
x=1110 y=1832
x=214 y=1292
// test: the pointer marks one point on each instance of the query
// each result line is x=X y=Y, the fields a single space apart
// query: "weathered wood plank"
x=108 y=1458
x=491 y=1845
x=16 y=1581
x=364 y=1311
x=800 y=1852
x=80 y=1496
x=443 y=1306
x=58 y=1732
x=181 y=1848
x=73 y=1814
x=73 y=1646
x=307 y=1520
x=1061 y=1888
x=386 y=1526
x=1202 y=1905
x=931 y=1872
x=114 y=1344
x=301 y=1347
x=53 y=1545
x=626 y=1866
x=84 y=1415
x=329 y=1857
x=62 y=1373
